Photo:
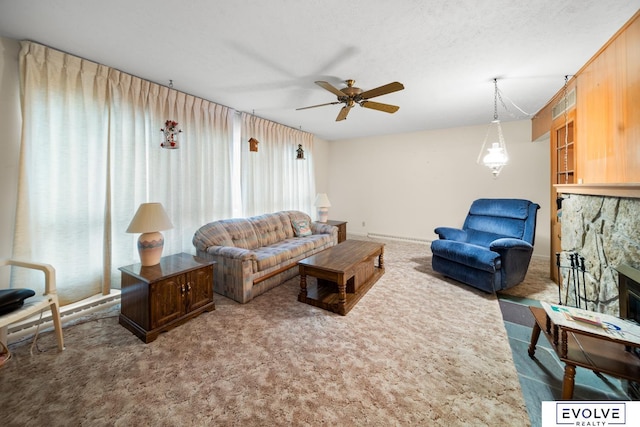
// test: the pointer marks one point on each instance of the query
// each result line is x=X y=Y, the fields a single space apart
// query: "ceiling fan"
x=351 y=95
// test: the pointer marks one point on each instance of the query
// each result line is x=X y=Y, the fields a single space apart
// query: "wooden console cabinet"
x=158 y=298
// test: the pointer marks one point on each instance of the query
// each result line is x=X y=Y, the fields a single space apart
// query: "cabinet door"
x=200 y=285
x=167 y=300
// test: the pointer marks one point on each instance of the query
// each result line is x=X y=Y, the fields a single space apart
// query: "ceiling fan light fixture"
x=351 y=95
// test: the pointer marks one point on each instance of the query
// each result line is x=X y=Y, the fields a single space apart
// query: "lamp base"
x=150 y=247
x=323 y=214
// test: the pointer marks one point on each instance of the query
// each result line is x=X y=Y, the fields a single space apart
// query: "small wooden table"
x=576 y=346
x=342 y=228
x=345 y=273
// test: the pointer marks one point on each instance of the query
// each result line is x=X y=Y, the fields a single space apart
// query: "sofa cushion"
x=468 y=254
x=319 y=240
x=241 y=233
x=271 y=228
x=281 y=252
x=212 y=234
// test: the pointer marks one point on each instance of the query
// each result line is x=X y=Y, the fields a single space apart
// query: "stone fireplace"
x=605 y=230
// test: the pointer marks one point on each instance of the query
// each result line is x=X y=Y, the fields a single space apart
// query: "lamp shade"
x=150 y=217
x=322 y=201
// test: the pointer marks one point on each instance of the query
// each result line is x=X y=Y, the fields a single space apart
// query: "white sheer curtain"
x=272 y=178
x=63 y=168
x=90 y=154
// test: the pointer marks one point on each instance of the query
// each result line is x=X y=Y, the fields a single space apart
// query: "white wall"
x=321 y=166
x=406 y=185
x=9 y=145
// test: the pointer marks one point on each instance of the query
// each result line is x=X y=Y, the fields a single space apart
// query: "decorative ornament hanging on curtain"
x=253 y=144
x=171 y=133
x=300 y=153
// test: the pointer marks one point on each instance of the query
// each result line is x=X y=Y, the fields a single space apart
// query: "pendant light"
x=494 y=154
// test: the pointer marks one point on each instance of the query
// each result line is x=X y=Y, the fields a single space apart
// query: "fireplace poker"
x=584 y=282
x=573 y=277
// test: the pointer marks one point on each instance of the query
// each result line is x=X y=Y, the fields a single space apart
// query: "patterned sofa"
x=259 y=253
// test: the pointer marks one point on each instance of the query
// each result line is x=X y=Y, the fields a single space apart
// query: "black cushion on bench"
x=13 y=299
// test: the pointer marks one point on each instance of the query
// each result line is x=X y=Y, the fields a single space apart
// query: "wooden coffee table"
x=345 y=273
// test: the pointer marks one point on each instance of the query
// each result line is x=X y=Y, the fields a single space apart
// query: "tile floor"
x=541 y=379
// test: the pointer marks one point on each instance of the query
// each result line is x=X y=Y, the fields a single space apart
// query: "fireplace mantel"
x=631 y=190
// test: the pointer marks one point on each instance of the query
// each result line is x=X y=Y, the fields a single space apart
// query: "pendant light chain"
x=495 y=100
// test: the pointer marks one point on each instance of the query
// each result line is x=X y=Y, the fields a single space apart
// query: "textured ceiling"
x=262 y=57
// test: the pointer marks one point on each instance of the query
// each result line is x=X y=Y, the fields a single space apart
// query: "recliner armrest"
x=450 y=233
x=507 y=243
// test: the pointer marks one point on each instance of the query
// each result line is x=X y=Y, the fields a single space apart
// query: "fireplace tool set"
x=576 y=277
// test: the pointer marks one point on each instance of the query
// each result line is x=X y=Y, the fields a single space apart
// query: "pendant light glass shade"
x=494 y=154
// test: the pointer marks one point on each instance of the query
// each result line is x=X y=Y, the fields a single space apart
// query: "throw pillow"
x=301 y=227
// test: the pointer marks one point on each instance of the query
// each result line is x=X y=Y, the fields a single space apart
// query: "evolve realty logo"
x=586 y=414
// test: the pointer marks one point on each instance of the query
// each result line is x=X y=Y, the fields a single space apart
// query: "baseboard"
x=27 y=327
x=394 y=237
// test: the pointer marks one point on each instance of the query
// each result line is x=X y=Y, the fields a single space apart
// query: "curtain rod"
x=236 y=111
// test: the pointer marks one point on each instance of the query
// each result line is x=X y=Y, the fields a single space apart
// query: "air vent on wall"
x=560 y=107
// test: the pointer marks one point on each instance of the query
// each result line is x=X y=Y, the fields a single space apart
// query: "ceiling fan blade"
x=382 y=90
x=330 y=88
x=319 y=105
x=387 y=108
x=342 y=115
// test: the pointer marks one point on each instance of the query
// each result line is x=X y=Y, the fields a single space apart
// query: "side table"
x=158 y=298
x=597 y=351
x=342 y=229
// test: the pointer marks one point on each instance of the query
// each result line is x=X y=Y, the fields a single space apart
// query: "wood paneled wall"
x=607 y=111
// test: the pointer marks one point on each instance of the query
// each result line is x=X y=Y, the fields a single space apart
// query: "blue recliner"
x=493 y=249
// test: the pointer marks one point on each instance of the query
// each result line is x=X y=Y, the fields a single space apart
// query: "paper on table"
x=611 y=326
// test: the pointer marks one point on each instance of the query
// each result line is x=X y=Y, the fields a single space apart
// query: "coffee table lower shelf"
x=325 y=295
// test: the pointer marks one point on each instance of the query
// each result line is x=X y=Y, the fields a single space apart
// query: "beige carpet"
x=416 y=350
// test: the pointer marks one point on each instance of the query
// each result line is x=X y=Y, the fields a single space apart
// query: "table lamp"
x=322 y=203
x=149 y=220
